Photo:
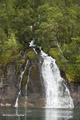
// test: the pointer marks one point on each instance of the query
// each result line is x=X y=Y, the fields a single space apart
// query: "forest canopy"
x=56 y=28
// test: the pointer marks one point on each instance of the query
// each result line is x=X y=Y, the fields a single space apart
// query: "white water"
x=57 y=93
x=21 y=77
x=31 y=27
x=26 y=87
x=31 y=44
x=59 y=48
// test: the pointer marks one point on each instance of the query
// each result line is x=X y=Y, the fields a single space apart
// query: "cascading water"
x=21 y=77
x=57 y=93
x=26 y=87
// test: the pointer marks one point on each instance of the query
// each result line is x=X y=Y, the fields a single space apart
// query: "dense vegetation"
x=55 y=28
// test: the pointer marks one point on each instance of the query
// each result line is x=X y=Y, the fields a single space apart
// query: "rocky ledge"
x=75 y=93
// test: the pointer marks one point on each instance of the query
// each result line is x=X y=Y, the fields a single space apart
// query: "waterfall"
x=21 y=77
x=26 y=87
x=56 y=92
x=16 y=104
x=59 y=48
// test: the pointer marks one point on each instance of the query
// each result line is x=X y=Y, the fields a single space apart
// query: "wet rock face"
x=35 y=88
x=74 y=88
x=35 y=85
x=8 y=95
x=75 y=93
x=9 y=83
x=10 y=80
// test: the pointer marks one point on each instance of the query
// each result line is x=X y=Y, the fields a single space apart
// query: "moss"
x=54 y=52
x=25 y=76
x=4 y=58
x=11 y=56
x=71 y=70
x=70 y=79
x=60 y=60
x=6 y=54
x=31 y=54
x=20 y=63
x=34 y=71
x=24 y=81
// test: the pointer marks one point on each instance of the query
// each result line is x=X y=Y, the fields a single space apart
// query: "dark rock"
x=9 y=82
x=35 y=87
x=75 y=93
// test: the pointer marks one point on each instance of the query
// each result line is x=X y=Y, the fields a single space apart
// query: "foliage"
x=24 y=81
x=56 y=25
x=58 y=28
x=55 y=53
x=31 y=55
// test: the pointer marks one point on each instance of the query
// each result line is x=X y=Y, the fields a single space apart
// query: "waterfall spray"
x=56 y=92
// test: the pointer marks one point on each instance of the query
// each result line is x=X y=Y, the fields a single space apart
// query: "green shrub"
x=31 y=55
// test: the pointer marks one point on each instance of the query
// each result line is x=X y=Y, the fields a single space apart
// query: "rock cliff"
x=10 y=81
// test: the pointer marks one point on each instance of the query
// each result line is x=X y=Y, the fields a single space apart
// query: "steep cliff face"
x=74 y=88
x=35 y=87
x=9 y=81
x=75 y=93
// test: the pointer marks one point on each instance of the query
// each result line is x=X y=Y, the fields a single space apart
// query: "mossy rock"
x=5 y=56
x=73 y=72
x=31 y=54
x=24 y=81
x=20 y=64
x=70 y=79
x=35 y=72
x=12 y=57
x=25 y=76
